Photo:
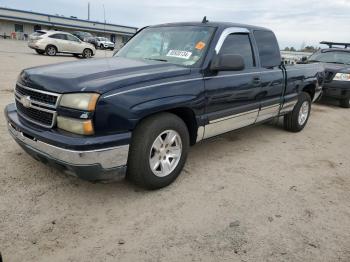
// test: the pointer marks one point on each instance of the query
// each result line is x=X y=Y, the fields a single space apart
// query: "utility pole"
x=88 y=10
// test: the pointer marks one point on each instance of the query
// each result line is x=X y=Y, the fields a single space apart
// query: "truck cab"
x=170 y=87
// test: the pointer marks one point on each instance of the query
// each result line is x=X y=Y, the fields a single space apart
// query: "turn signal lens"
x=76 y=126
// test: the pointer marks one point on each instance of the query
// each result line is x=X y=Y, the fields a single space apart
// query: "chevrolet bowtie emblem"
x=26 y=102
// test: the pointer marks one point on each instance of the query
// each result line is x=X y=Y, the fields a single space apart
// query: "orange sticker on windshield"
x=200 y=45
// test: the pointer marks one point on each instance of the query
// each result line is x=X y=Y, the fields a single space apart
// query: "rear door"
x=271 y=76
x=232 y=95
x=60 y=41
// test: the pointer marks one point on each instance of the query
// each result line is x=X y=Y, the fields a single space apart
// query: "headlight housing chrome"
x=342 y=77
x=80 y=101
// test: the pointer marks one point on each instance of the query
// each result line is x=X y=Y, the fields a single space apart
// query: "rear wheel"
x=296 y=120
x=345 y=103
x=51 y=50
x=40 y=52
x=158 y=151
x=87 y=53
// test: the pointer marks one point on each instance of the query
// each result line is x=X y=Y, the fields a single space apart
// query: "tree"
x=287 y=49
x=309 y=49
x=293 y=49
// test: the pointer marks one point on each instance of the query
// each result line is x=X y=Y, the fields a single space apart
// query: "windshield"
x=102 y=39
x=338 y=57
x=185 y=45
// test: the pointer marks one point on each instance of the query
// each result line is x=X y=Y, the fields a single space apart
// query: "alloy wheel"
x=303 y=113
x=165 y=153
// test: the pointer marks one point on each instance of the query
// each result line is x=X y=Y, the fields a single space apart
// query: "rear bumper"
x=93 y=164
x=36 y=46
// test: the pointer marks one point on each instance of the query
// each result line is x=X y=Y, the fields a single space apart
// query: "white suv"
x=104 y=43
x=53 y=42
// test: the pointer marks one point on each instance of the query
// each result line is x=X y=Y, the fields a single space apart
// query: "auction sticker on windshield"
x=179 y=54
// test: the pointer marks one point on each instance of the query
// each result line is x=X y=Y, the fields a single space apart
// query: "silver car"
x=53 y=42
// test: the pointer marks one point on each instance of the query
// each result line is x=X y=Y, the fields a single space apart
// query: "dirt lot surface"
x=260 y=194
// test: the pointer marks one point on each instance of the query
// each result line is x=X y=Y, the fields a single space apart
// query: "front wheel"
x=296 y=120
x=87 y=53
x=345 y=103
x=158 y=151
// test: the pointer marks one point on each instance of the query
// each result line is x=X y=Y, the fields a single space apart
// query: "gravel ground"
x=259 y=194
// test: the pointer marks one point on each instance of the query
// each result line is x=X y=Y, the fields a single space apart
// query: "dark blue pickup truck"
x=168 y=88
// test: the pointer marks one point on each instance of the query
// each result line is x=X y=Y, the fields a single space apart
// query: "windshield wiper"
x=156 y=59
x=313 y=61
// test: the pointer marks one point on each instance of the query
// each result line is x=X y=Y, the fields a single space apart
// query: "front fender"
x=163 y=104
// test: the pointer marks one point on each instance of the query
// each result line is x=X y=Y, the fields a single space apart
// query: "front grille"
x=35 y=115
x=36 y=106
x=38 y=96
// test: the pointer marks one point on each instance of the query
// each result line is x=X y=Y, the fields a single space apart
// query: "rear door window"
x=239 y=44
x=269 y=51
x=72 y=38
x=59 y=36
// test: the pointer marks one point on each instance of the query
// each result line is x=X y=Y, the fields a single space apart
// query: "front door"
x=74 y=44
x=232 y=96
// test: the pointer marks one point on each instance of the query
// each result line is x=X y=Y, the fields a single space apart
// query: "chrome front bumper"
x=95 y=162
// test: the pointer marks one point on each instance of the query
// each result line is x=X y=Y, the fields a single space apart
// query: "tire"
x=143 y=151
x=345 y=103
x=296 y=120
x=102 y=47
x=87 y=53
x=76 y=55
x=51 y=50
x=40 y=52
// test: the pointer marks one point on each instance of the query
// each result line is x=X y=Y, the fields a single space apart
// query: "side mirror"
x=227 y=62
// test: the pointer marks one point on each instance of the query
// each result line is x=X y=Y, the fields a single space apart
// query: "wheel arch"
x=310 y=88
x=48 y=45
x=186 y=114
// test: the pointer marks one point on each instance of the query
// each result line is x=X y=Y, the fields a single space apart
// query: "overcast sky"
x=294 y=21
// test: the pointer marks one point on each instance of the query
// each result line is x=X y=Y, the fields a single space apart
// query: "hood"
x=332 y=69
x=98 y=75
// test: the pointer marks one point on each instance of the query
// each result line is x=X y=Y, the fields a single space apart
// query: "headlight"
x=342 y=77
x=80 y=101
x=77 y=126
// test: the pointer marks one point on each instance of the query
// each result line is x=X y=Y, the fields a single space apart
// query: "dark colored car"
x=169 y=87
x=92 y=40
x=337 y=65
x=83 y=36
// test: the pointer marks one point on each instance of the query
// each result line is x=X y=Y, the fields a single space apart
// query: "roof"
x=214 y=24
x=324 y=50
x=62 y=21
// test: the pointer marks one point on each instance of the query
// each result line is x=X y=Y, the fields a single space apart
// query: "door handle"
x=256 y=81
